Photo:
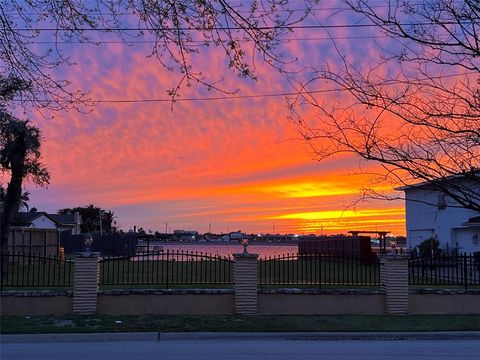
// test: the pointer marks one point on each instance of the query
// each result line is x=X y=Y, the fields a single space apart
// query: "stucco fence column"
x=394 y=283
x=85 y=282
x=245 y=279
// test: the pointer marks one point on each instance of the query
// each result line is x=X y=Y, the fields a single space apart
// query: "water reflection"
x=230 y=249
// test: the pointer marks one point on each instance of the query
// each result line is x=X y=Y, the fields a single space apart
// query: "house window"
x=475 y=239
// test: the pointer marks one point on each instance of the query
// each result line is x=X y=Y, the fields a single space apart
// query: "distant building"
x=38 y=233
x=280 y=238
x=185 y=235
x=431 y=214
x=209 y=237
x=234 y=236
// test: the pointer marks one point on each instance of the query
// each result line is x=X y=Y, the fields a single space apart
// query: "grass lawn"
x=230 y=323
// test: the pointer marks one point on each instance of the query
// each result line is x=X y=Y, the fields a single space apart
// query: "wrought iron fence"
x=447 y=269
x=166 y=268
x=25 y=270
x=317 y=270
x=179 y=268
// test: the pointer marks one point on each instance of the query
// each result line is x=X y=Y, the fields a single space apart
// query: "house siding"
x=43 y=222
x=426 y=217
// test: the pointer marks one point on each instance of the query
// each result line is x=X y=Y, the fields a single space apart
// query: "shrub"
x=429 y=247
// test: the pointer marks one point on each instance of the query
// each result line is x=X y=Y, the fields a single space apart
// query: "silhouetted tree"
x=23 y=204
x=24 y=200
x=20 y=155
x=429 y=247
x=91 y=216
x=109 y=220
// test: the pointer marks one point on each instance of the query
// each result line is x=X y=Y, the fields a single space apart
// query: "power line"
x=312 y=10
x=238 y=8
x=254 y=96
x=215 y=98
x=100 y=42
x=230 y=28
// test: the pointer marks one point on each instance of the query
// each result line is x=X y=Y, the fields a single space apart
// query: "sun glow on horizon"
x=320 y=189
x=337 y=221
x=310 y=189
x=341 y=214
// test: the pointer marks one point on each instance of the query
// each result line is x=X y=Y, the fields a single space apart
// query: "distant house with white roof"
x=45 y=221
x=431 y=213
x=38 y=233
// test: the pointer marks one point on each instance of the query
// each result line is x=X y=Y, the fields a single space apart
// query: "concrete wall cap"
x=87 y=254
x=319 y=291
x=395 y=256
x=445 y=291
x=166 y=292
x=245 y=255
x=35 y=293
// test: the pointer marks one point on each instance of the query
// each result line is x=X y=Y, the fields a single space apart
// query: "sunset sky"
x=236 y=162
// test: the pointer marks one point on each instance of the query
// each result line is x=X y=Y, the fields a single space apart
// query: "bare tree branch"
x=418 y=111
x=178 y=28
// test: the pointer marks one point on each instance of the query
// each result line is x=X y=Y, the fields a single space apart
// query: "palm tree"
x=24 y=200
x=23 y=203
x=109 y=219
x=20 y=155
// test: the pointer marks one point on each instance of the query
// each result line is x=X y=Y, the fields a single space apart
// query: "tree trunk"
x=14 y=192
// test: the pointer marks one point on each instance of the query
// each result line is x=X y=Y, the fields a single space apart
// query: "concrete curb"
x=474 y=335
x=77 y=337
x=157 y=336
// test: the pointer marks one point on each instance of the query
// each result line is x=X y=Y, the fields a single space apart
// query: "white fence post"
x=245 y=279
x=85 y=282
x=394 y=283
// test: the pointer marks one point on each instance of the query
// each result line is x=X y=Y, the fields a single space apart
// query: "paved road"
x=243 y=349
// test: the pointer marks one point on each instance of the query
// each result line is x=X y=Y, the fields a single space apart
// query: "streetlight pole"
x=100 y=215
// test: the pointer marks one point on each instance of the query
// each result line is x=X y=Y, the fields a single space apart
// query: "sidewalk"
x=157 y=336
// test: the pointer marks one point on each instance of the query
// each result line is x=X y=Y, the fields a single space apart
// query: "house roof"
x=63 y=219
x=26 y=218
x=472 y=222
x=426 y=184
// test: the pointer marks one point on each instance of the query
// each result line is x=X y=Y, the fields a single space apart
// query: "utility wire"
x=215 y=98
x=238 y=8
x=381 y=5
x=254 y=96
x=233 y=28
x=201 y=42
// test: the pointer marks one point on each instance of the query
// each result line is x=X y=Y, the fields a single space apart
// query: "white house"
x=430 y=213
x=44 y=221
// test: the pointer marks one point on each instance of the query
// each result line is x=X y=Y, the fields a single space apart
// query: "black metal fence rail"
x=179 y=268
x=167 y=268
x=452 y=269
x=317 y=270
x=24 y=270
